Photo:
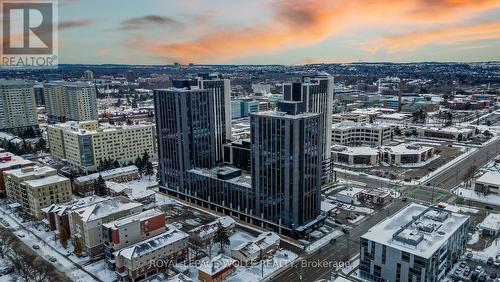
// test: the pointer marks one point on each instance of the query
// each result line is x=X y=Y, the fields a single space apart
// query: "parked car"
x=489 y=261
x=52 y=259
x=458 y=270
x=469 y=255
x=463 y=264
x=479 y=269
x=497 y=262
x=467 y=271
x=493 y=275
x=473 y=276
x=482 y=278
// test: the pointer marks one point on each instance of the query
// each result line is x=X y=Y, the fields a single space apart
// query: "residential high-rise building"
x=17 y=107
x=286 y=165
x=417 y=244
x=34 y=188
x=86 y=145
x=88 y=75
x=220 y=90
x=74 y=101
x=315 y=94
x=186 y=133
x=130 y=76
x=39 y=97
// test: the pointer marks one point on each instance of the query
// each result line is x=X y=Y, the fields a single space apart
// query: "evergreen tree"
x=63 y=237
x=77 y=246
x=100 y=186
x=221 y=236
x=139 y=164
x=116 y=164
x=41 y=145
x=148 y=170
x=145 y=158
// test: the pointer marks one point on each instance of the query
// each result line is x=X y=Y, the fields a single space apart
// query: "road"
x=319 y=265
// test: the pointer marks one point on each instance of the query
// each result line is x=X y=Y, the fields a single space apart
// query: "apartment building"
x=17 y=107
x=134 y=263
x=124 y=232
x=263 y=246
x=67 y=101
x=57 y=215
x=85 y=223
x=10 y=161
x=85 y=145
x=416 y=244
x=84 y=185
x=35 y=188
x=203 y=234
x=216 y=268
x=357 y=134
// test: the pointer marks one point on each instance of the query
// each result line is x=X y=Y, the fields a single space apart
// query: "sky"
x=286 y=32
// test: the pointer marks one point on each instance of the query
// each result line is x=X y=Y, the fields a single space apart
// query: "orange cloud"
x=450 y=35
x=102 y=52
x=301 y=23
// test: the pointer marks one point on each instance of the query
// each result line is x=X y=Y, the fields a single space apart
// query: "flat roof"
x=411 y=148
x=355 y=150
x=46 y=180
x=490 y=177
x=491 y=222
x=108 y=173
x=136 y=217
x=15 y=161
x=105 y=208
x=279 y=114
x=416 y=229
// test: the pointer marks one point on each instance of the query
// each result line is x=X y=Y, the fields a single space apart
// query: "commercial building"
x=85 y=222
x=315 y=95
x=447 y=133
x=490 y=226
x=286 y=167
x=35 y=188
x=84 y=185
x=75 y=101
x=244 y=107
x=10 y=161
x=355 y=156
x=126 y=231
x=88 y=75
x=357 y=134
x=17 y=107
x=416 y=244
x=488 y=183
x=134 y=263
x=86 y=145
x=39 y=96
x=353 y=117
x=406 y=154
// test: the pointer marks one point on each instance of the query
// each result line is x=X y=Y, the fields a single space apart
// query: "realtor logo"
x=29 y=33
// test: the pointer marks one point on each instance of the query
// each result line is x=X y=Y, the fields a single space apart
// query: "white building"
x=490 y=225
x=488 y=183
x=355 y=156
x=446 y=133
x=349 y=196
x=406 y=154
x=416 y=244
x=356 y=134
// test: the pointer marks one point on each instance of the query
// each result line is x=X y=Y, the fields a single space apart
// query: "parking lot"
x=470 y=269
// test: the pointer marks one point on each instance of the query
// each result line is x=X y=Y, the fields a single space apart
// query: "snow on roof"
x=148 y=246
x=105 y=208
x=355 y=150
x=211 y=227
x=36 y=171
x=14 y=161
x=116 y=187
x=350 y=192
x=411 y=148
x=450 y=129
x=416 y=229
x=180 y=278
x=490 y=177
x=46 y=180
x=346 y=125
x=74 y=204
x=491 y=222
x=145 y=215
x=394 y=116
x=216 y=264
x=266 y=239
x=108 y=173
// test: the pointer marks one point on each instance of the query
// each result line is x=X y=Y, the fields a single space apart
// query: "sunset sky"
x=277 y=31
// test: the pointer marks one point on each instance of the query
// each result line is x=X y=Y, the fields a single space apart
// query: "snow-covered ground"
x=477 y=196
x=490 y=251
x=461 y=209
x=474 y=238
x=323 y=241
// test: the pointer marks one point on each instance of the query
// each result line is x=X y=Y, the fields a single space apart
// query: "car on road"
x=52 y=259
x=36 y=247
x=469 y=255
x=21 y=235
x=488 y=207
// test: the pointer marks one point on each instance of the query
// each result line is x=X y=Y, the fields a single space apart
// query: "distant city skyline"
x=277 y=32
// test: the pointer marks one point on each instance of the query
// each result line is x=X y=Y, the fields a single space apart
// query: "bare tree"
x=21 y=264
x=39 y=272
x=6 y=245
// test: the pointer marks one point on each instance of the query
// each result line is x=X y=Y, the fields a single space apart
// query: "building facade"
x=86 y=145
x=35 y=188
x=75 y=101
x=286 y=166
x=10 y=161
x=356 y=134
x=315 y=95
x=17 y=107
x=417 y=244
